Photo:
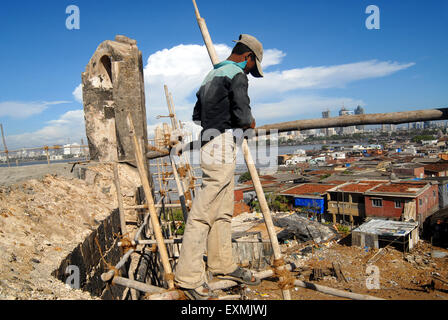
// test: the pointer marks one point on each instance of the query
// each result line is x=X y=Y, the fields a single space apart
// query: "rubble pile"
x=303 y=229
x=42 y=220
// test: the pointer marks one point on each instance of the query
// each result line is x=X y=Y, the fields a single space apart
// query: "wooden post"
x=175 y=125
x=119 y=199
x=354 y=120
x=264 y=209
x=4 y=144
x=150 y=200
x=48 y=154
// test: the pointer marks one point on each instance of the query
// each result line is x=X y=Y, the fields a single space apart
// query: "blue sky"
x=319 y=55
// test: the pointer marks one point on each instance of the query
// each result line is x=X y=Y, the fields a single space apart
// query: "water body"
x=264 y=157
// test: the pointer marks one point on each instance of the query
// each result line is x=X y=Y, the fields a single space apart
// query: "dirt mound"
x=43 y=220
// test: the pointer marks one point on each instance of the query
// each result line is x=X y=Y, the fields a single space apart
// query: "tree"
x=244 y=177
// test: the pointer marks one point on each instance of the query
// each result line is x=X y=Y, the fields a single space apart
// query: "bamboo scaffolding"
x=153 y=214
x=179 y=183
x=179 y=240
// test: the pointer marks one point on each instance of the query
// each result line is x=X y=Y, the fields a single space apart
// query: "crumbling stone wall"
x=113 y=86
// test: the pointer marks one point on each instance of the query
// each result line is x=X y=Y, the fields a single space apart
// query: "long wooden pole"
x=343 y=121
x=150 y=200
x=4 y=144
x=225 y=284
x=354 y=120
x=249 y=161
x=119 y=199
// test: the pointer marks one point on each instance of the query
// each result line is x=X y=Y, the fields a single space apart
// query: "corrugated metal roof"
x=387 y=227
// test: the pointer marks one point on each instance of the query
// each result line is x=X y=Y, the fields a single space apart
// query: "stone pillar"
x=113 y=86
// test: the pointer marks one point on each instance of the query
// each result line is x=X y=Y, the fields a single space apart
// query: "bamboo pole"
x=119 y=199
x=249 y=161
x=153 y=214
x=4 y=144
x=342 y=121
x=109 y=275
x=362 y=119
x=140 y=286
x=146 y=220
x=183 y=158
x=225 y=284
x=265 y=211
x=48 y=154
x=179 y=184
x=176 y=241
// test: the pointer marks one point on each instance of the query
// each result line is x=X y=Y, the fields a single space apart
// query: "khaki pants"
x=208 y=229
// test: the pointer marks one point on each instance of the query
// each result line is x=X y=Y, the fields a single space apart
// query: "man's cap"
x=253 y=44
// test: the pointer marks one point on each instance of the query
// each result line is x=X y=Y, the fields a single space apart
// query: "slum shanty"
x=361 y=222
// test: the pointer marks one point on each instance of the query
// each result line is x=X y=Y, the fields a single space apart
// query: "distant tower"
x=359 y=110
x=346 y=130
x=344 y=112
x=325 y=115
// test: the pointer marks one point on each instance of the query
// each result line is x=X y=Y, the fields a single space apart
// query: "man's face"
x=250 y=57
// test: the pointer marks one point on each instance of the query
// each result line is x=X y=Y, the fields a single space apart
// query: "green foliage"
x=178 y=214
x=245 y=177
x=343 y=229
x=325 y=176
x=424 y=137
x=275 y=202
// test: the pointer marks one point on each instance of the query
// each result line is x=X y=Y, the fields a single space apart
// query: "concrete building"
x=327 y=131
x=359 y=111
x=346 y=130
x=377 y=233
x=408 y=201
x=348 y=200
x=310 y=197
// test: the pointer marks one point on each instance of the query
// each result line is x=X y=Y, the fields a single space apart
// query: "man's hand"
x=252 y=126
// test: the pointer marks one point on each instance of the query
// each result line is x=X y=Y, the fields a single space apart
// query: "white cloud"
x=183 y=68
x=21 y=110
x=69 y=126
x=77 y=93
x=322 y=77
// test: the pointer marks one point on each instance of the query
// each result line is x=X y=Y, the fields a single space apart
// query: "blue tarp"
x=314 y=205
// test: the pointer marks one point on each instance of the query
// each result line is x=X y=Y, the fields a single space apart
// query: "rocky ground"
x=402 y=276
x=43 y=217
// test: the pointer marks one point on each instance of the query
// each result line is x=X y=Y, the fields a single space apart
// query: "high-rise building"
x=359 y=110
x=346 y=130
x=325 y=115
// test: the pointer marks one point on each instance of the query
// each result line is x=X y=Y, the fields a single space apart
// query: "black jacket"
x=223 y=102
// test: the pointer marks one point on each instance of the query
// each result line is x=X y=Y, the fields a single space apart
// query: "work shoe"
x=240 y=275
x=201 y=293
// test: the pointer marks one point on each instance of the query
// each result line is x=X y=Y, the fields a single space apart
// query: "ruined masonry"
x=113 y=86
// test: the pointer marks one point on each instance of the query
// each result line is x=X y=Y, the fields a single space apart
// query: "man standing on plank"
x=223 y=105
